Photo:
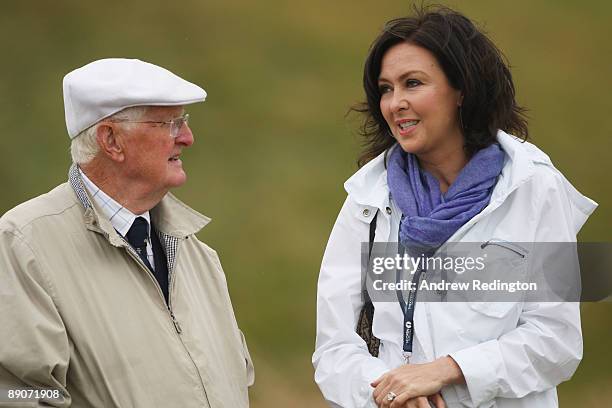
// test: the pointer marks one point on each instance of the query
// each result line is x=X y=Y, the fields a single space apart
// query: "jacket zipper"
x=177 y=326
x=507 y=245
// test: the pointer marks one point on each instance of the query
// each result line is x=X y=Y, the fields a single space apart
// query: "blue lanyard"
x=408 y=308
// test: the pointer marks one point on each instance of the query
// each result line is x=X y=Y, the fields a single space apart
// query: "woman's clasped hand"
x=416 y=385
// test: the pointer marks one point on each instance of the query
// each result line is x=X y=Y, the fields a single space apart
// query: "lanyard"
x=408 y=308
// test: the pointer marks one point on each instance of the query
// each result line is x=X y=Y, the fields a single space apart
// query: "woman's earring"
x=461 y=119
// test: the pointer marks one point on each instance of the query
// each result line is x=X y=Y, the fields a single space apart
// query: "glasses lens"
x=177 y=124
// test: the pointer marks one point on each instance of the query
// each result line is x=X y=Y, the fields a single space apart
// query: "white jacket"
x=511 y=354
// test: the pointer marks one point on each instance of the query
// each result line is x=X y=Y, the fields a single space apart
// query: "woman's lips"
x=405 y=127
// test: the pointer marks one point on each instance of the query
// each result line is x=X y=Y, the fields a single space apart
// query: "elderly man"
x=107 y=298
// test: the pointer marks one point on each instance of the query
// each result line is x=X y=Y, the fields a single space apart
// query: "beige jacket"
x=81 y=313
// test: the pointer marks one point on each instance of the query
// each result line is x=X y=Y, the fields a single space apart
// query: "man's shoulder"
x=53 y=203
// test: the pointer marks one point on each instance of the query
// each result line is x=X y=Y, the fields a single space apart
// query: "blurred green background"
x=273 y=145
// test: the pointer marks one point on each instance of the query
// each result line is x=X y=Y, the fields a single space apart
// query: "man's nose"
x=185 y=136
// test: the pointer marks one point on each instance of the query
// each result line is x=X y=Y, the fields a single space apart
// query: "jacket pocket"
x=504 y=272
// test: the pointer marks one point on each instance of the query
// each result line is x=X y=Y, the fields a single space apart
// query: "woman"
x=440 y=165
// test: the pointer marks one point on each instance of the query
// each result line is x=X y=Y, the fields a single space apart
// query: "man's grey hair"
x=84 y=146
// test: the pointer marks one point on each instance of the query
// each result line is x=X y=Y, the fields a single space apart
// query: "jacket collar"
x=518 y=166
x=171 y=216
x=522 y=159
x=368 y=186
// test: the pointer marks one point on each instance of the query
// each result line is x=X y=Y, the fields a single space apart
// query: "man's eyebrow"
x=404 y=75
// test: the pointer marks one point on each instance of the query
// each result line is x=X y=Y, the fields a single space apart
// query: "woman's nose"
x=399 y=101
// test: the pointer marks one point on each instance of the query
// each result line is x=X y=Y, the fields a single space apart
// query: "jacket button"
x=366 y=212
x=389 y=210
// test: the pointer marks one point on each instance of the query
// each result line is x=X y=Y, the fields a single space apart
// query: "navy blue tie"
x=137 y=236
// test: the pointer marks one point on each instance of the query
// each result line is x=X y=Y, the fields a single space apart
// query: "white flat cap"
x=104 y=87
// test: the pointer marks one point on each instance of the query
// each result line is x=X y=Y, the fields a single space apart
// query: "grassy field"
x=273 y=145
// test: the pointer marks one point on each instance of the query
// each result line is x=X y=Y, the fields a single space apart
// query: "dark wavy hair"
x=471 y=63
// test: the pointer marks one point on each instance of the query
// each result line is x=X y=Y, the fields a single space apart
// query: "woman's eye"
x=383 y=89
x=411 y=83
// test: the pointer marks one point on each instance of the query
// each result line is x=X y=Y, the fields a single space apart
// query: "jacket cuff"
x=481 y=367
x=373 y=374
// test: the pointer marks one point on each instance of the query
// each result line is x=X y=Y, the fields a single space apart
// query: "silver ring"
x=391 y=396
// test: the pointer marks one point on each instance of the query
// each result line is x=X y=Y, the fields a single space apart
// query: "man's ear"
x=109 y=143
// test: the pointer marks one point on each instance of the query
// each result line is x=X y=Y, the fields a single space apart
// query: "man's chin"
x=177 y=180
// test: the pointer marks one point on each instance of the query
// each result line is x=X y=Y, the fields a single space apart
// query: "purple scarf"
x=430 y=217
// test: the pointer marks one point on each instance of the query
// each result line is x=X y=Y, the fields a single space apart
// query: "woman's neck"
x=445 y=167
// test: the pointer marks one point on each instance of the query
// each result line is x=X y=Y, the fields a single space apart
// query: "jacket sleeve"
x=546 y=346
x=34 y=346
x=344 y=368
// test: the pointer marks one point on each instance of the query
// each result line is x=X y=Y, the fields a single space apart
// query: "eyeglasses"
x=176 y=124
